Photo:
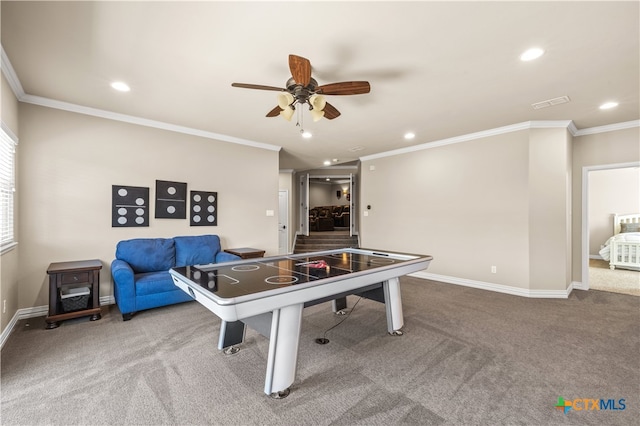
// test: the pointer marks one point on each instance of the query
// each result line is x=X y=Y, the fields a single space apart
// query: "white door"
x=283 y=222
x=304 y=204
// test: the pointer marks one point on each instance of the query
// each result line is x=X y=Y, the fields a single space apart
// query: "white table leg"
x=393 y=306
x=283 y=350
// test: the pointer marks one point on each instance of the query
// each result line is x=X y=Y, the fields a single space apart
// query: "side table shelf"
x=69 y=283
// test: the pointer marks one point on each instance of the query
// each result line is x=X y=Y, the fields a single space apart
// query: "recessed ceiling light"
x=608 y=105
x=306 y=134
x=120 y=86
x=409 y=135
x=327 y=163
x=531 y=54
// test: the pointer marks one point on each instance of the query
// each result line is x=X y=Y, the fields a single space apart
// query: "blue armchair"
x=141 y=278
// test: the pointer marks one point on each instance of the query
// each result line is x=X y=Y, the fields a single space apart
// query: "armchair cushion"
x=147 y=254
x=196 y=250
x=154 y=282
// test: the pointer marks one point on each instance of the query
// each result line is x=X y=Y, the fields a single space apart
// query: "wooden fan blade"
x=274 y=112
x=300 y=69
x=330 y=112
x=258 y=86
x=345 y=88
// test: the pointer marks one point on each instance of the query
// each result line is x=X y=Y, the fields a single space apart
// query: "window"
x=7 y=188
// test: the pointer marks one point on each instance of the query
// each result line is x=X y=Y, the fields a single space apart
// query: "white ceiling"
x=439 y=69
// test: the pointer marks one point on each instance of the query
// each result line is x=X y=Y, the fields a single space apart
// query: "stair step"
x=319 y=242
x=327 y=241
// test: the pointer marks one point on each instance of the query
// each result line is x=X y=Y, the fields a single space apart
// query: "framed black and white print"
x=171 y=200
x=203 y=208
x=129 y=206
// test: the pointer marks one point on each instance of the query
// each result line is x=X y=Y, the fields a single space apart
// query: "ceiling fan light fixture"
x=317 y=114
x=287 y=113
x=284 y=100
x=317 y=102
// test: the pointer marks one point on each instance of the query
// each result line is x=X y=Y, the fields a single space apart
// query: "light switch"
x=270 y=212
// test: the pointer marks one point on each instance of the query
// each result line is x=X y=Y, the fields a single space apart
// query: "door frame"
x=283 y=219
x=352 y=199
x=585 y=214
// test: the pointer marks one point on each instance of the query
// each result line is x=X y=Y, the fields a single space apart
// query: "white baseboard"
x=579 y=286
x=498 y=288
x=37 y=311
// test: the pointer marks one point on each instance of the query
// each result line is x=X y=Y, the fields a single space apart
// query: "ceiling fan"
x=302 y=89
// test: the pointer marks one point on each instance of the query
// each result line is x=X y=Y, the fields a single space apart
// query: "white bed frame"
x=625 y=255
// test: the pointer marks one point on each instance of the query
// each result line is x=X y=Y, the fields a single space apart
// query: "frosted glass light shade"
x=287 y=113
x=316 y=114
x=318 y=102
x=284 y=100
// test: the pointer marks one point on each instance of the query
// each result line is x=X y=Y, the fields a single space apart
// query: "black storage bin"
x=74 y=299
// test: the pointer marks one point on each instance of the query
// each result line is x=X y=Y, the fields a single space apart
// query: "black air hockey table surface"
x=269 y=294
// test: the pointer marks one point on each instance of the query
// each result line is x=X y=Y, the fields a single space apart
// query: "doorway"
x=603 y=195
x=327 y=204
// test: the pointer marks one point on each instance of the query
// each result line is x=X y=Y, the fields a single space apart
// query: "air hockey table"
x=269 y=294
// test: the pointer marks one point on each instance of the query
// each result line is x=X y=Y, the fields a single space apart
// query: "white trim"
x=579 y=286
x=38 y=311
x=498 y=288
x=8 y=247
x=608 y=128
x=66 y=106
x=10 y=75
x=9 y=133
x=473 y=136
x=568 y=124
x=19 y=92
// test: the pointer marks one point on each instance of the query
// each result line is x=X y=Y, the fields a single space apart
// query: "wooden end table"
x=246 y=252
x=68 y=276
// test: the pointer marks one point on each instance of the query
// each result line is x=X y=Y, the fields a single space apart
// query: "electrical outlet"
x=494 y=270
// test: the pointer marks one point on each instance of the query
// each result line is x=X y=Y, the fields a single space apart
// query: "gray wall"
x=511 y=200
x=9 y=260
x=69 y=162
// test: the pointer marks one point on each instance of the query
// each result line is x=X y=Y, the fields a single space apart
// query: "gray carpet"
x=468 y=357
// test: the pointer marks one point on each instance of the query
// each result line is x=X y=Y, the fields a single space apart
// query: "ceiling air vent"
x=355 y=148
x=551 y=102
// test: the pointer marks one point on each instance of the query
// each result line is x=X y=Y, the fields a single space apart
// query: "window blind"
x=7 y=187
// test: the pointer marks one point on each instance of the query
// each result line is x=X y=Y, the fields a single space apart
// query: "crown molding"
x=558 y=124
x=18 y=91
x=608 y=128
x=10 y=75
x=110 y=115
x=471 y=136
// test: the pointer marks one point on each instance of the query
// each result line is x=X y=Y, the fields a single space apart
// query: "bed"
x=622 y=250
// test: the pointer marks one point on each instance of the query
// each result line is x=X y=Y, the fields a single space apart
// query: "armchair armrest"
x=123 y=285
